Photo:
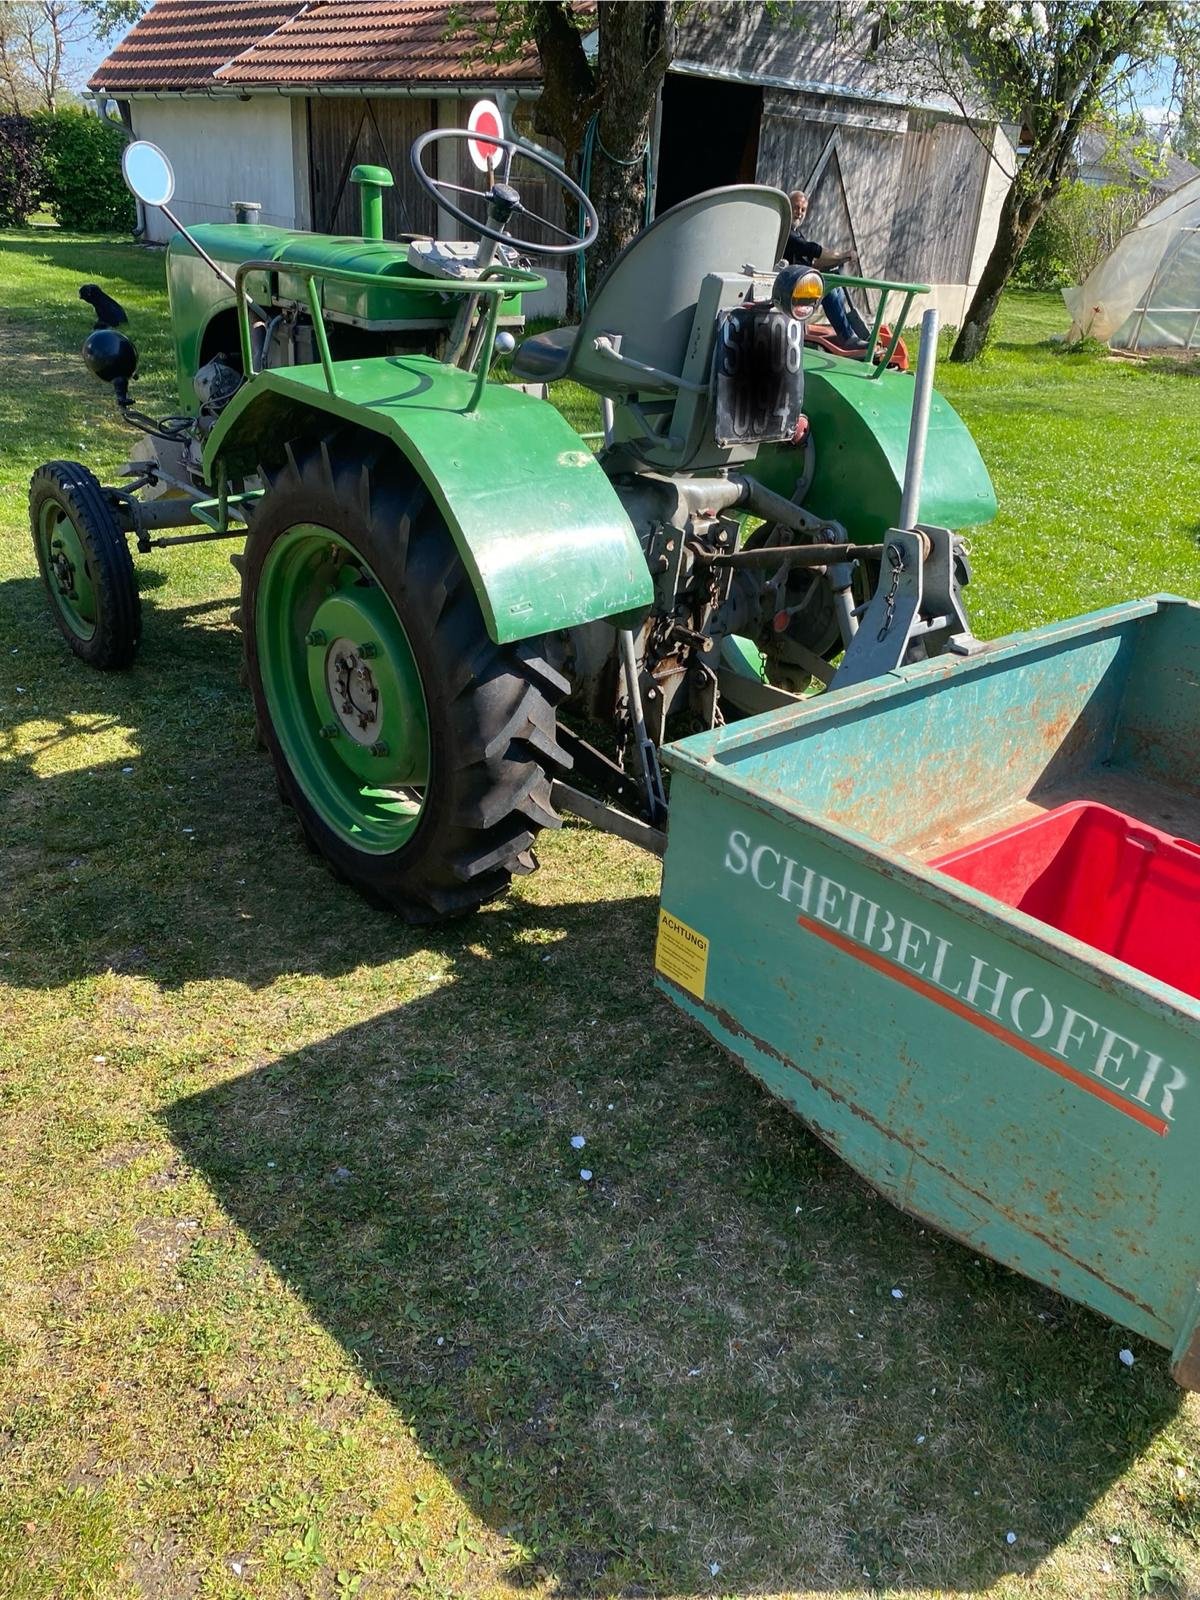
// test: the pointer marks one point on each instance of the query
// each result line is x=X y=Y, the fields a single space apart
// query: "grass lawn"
x=300 y=1291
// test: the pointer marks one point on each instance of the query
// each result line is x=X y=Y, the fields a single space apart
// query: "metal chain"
x=896 y=559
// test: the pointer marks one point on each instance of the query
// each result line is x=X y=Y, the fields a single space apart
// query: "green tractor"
x=459 y=618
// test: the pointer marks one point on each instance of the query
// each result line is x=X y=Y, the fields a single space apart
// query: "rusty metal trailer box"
x=1018 y=1088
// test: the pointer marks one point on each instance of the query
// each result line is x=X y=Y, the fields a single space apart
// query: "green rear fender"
x=860 y=437
x=538 y=525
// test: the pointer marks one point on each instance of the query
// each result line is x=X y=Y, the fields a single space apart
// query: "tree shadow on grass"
x=143 y=828
x=693 y=1358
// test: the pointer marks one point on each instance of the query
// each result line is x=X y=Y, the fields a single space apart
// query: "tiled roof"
x=192 y=44
x=380 y=41
x=179 y=44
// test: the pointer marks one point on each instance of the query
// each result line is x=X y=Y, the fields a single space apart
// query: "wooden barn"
x=915 y=188
x=274 y=101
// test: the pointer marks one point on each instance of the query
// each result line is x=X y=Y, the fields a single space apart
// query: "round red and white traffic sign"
x=485 y=119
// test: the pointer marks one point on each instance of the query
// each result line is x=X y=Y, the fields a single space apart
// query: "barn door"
x=345 y=130
x=939 y=193
x=830 y=218
x=845 y=155
x=708 y=136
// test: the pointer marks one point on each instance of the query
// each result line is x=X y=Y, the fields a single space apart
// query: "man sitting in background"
x=852 y=332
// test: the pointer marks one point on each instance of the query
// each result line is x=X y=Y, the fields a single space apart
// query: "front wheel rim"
x=343 y=689
x=68 y=568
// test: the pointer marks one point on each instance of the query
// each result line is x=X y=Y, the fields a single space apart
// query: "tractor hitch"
x=790 y=555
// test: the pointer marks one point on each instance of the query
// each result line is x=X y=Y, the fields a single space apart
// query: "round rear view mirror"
x=148 y=172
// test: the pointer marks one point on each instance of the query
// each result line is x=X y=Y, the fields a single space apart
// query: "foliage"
x=1185 y=135
x=1051 y=68
x=1043 y=264
x=69 y=161
x=84 y=186
x=1079 y=228
x=1154 y=1567
x=1131 y=148
x=37 y=42
x=109 y=15
x=22 y=168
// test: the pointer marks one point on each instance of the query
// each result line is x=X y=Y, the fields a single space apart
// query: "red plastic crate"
x=1106 y=879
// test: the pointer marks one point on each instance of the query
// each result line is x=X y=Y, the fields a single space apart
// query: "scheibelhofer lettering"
x=1047 y=1029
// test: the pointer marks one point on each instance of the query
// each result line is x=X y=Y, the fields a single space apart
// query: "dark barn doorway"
x=709 y=136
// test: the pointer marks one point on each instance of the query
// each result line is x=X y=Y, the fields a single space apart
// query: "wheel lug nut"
x=330 y=731
x=368 y=650
x=315 y=638
x=380 y=748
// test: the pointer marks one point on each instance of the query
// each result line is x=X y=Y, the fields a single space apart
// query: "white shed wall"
x=1001 y=166
x=224 y=150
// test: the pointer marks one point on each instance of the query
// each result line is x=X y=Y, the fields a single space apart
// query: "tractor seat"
x=642 y=311
x=545 y=356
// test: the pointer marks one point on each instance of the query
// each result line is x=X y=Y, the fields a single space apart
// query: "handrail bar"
x=879 y=283
x=887 y=288
x=495 y=288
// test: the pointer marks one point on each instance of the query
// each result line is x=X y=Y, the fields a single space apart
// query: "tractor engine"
x=215 y=385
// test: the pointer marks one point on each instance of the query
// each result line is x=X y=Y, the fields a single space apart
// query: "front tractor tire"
x=85 y=564
x=415 y=751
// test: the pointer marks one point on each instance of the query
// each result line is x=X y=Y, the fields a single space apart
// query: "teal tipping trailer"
x=1016 y=1086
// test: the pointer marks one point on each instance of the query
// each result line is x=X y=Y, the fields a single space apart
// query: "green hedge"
x=84 y=186
x=22 y=168
x=69 y=161
x=1077 y=230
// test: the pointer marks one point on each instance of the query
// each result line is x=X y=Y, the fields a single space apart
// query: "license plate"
x=760 y=377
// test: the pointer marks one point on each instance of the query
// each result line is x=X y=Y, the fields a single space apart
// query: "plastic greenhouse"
x=1146 y=295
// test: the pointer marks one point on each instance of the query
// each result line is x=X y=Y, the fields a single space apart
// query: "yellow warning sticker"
x=681 y=954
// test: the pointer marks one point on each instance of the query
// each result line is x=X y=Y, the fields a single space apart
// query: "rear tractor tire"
x=415 y=751
x=85 y=565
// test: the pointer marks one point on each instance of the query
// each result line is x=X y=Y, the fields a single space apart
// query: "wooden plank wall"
x=905 y=185
x=937 y=200
x=346 y=129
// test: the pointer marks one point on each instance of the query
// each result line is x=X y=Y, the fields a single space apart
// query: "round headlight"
x=798 y=291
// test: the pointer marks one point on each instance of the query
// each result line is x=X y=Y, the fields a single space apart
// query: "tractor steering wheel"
x=502 y=197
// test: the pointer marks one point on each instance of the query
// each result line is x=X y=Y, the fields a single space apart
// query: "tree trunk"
x=568 y=98
x=635 y=47
x=636 y=38
x=568 y=95
x=1017 y=217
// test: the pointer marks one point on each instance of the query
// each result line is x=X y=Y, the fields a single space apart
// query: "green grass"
x=300 y=1293
x=1095 y=461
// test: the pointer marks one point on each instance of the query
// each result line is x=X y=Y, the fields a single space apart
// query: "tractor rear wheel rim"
x=69 y=575
x=343 y=688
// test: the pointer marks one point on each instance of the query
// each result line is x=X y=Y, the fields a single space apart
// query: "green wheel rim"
x=343 y=689
x=68 y=566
